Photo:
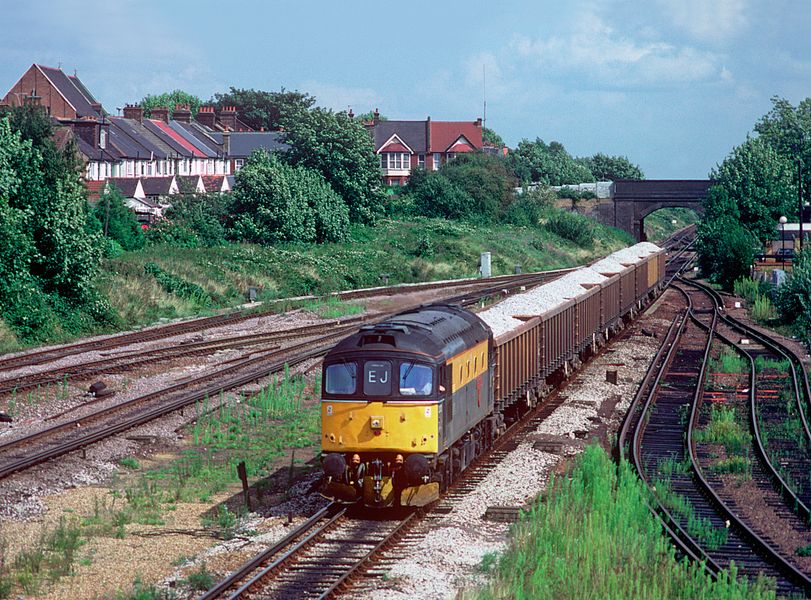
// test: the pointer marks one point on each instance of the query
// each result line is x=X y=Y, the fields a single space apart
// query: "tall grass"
x=763 y=310
x=749 y=289
x=724 y=428
x=729 y=361
x=595 y=538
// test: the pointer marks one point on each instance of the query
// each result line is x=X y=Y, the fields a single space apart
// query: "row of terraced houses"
x=202 y=152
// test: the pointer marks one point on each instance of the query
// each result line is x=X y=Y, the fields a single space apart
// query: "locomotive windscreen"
x=341 y=378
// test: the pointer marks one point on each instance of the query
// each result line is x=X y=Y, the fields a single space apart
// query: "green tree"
x=369 y=115
x=274 y=201
x=341 y=150
x=118 y=222
x=264 y=110
x=485 y=179
x=193 y=220
x=759 y=181
x=794 y=296
x=611 y=168
x=491 y=138
x=169 y=100
x=49 y=248
x=435 y=195
x=551 y=164
x=725 y=247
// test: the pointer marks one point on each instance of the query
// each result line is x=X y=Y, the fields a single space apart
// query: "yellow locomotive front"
x=384 y=393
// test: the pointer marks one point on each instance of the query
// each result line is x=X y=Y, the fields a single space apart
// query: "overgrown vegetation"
x=594 y=537
x=794 y=296
x=754 y=186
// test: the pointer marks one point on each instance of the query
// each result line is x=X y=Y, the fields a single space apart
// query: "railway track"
x=776 y=405
x=66 y=436
x=657 y=436
x=359 y=575
x=46 y=355
x=127 y=361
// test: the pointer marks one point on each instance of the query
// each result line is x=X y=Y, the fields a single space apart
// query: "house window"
x=421 y=160
x=395 y=160
x=238 y=164
x=102 y=139
x=210 y=167
x=437 y=161
x=130 y=168
x=149 y=168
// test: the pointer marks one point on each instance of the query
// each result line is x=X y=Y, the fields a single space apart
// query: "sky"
x=673 y=85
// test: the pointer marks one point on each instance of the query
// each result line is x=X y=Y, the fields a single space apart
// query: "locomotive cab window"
x=416 y=379
x=377 y=378
x=341 y=378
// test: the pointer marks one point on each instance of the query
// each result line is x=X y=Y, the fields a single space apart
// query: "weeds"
x=724 y=428
x=333 y=308
x=729 y=361
x=200 y=580
x=50 y=559
x=130 y=462
x=594 y=537
x=225 y=521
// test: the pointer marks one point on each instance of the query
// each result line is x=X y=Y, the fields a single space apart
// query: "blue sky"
x=672 y=84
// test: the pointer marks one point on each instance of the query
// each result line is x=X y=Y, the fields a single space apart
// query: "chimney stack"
x=160 y=113
x=226 y=143
x=206 y=116
x=182 y=113
x=134 y=112
x=228 y=117
x=376 y=117
x=351 y=113
x=478 y=122
x=97 y=107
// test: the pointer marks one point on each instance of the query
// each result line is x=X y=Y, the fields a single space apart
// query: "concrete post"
x=485 y=269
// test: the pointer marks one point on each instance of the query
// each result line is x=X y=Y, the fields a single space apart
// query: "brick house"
x=406 y=145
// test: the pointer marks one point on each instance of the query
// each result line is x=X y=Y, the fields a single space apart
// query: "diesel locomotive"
x=408 y=403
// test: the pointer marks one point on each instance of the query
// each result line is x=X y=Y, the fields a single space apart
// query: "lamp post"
x=783 y=221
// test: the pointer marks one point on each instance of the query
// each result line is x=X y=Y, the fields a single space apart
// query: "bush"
x=435 y=195
x=725 y=251
x=274 y=202
x=527 y=208
x=571 y=226
x=794 y=296
x=176 y=285
x=573 y=194
x=485 y=179
x=194 y=220
x=118 y=221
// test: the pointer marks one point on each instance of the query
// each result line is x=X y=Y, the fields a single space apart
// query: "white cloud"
x=607 y=57
x=708 y=20
x=340 y=97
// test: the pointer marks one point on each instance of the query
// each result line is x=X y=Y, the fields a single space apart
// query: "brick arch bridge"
x=632 y=201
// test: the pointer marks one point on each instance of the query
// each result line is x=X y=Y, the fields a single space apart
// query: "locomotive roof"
x=440 y=331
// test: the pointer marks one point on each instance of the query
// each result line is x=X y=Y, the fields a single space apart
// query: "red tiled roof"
x=213 y=183
x=461 y=146
x=445 y=133
x=164 y=127
x=395 y=147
